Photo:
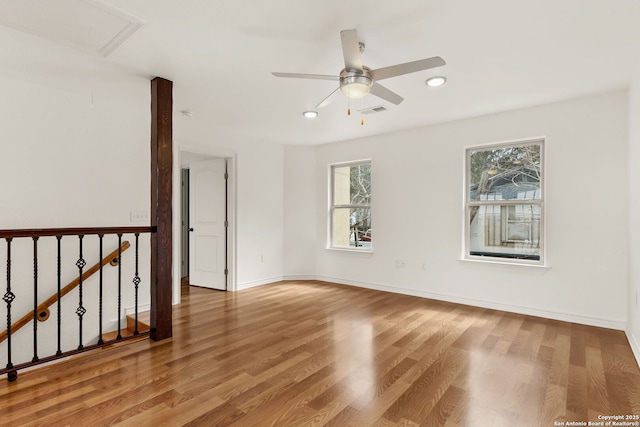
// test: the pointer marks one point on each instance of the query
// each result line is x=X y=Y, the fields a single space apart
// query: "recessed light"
x=436 y=81
x=310 y=114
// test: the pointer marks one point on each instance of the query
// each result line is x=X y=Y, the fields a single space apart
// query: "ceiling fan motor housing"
x=355 y=84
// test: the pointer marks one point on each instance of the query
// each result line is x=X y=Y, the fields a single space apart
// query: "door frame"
x=184 y=226
x=231 y=158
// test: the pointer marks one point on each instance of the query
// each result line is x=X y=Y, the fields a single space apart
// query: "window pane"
x=352 y=227
x=505 y=231
x=352 y=184
x=507 y=173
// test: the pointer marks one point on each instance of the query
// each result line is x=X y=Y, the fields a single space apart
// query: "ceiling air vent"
x=372 y=110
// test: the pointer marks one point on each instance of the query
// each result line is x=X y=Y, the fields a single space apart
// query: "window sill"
x=515 y=264
x=352 y=250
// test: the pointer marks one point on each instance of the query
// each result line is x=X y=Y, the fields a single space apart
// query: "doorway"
x=204 y=222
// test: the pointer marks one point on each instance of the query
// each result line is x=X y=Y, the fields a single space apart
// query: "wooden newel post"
x=161 y=206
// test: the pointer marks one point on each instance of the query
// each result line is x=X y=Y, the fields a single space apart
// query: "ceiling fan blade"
x=351 y=50
x=328 y=100
x=384 y=93
x=407 y=67
x=307 y=76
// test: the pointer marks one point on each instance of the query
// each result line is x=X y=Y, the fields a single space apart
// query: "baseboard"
x=253 y=284
x=635 y=345
x=565 y=317
x=301 y=277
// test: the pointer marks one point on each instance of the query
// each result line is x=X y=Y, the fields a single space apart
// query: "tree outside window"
x=504 y=202
x=350 y=211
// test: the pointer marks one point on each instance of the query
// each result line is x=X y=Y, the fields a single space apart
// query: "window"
x=350 y=206
x=504 y=202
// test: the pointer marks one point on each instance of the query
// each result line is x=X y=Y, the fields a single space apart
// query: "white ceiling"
x=500 y=54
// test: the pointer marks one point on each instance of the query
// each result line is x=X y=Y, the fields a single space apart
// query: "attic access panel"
x=89 y=25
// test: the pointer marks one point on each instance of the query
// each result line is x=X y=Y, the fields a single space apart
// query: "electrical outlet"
x=400 y=263
x=138 y=216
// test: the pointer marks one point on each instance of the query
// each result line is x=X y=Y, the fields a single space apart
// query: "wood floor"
x=312 y=353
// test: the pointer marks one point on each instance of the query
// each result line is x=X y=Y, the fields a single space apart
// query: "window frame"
x=468 y=204
x=333 y=207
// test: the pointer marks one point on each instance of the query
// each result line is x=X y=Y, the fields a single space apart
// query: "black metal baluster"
x=35 y=299
x=136 y=282
x=119 y=284
x=59 y=352
x=80 y=311
x=8 y=299
x=100 y=341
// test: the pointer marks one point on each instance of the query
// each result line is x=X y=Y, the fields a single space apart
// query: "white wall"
x=633 y=322
x=260 y=213
x=65 y=163
x=417 y=213
x=301 y=211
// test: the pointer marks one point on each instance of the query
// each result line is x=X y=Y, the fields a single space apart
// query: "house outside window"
x=504 y=202
x=350 y=206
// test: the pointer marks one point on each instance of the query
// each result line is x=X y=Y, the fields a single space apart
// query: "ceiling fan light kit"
x=356 y=84
x=357 y=81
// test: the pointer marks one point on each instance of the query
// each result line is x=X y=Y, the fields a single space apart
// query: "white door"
x=207 y=215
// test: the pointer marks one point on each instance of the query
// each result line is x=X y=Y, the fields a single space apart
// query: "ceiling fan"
x=357 y=80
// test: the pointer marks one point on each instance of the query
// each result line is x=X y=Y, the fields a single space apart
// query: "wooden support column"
x=161 y=206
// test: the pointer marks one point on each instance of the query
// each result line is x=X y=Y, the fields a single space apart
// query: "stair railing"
x=41 y=310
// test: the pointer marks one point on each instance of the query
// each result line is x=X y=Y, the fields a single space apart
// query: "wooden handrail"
x=24 y=320
x=39 y=232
